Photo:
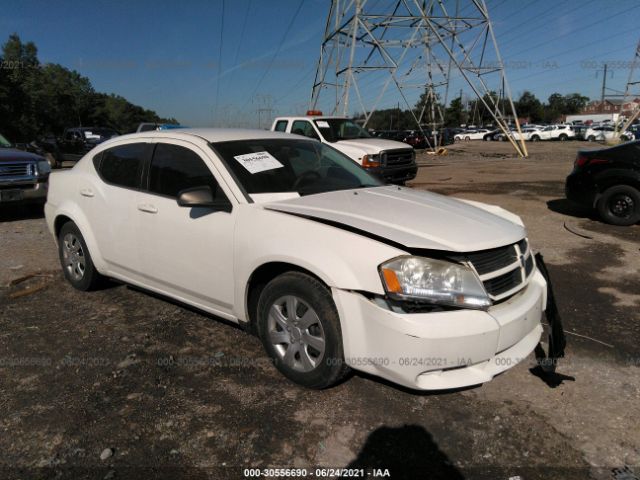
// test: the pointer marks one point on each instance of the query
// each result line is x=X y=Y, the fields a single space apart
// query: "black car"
x=609 y=181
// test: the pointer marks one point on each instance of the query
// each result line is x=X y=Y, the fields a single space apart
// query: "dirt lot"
x=153 y=386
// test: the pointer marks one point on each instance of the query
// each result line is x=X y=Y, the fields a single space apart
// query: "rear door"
x=187 y=252
x=111 y=204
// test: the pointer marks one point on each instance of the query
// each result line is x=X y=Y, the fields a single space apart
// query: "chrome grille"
x=398 y=157
x=16 y=169
x=503 y=270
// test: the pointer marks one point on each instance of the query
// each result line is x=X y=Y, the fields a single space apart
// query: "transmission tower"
x=416 y=47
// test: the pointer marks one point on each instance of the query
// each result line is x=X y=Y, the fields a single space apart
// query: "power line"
x=219 y=62
x=284 y=37
x=599 y=22
x=242 y=30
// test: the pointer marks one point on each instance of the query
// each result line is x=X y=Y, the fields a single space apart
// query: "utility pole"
x=411 y=46
x=604 y=84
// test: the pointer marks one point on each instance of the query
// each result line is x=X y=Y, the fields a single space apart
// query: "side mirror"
x=202 y=197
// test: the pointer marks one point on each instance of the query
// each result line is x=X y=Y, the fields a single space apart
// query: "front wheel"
x=563 y=138
x=535 y=138
x=620 y=205
x=75 y=259
x=299 y=327
x=591 y=138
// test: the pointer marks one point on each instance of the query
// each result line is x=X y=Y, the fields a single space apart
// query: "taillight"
x=581 y=161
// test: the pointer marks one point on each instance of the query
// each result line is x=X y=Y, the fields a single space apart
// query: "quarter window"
x=122 y=166
x=281 y=126
x=176 y=168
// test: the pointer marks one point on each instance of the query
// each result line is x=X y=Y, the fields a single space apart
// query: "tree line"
x=474 y=112
x=43 y=99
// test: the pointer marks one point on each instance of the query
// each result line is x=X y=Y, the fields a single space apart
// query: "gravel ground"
x=122 y=384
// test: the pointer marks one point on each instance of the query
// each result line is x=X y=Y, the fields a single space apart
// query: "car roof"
x=213 y=135
x=314 y=117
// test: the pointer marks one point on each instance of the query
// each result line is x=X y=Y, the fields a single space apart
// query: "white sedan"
x=471 y=135
x=297 y=243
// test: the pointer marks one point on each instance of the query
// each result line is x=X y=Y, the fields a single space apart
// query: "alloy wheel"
x=622 y=206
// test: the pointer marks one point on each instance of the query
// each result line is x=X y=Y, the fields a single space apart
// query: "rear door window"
x=122 y=165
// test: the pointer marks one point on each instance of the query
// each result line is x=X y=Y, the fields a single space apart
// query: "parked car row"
x=419 y=139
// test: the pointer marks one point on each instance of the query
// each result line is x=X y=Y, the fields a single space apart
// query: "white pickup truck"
x=393 y=161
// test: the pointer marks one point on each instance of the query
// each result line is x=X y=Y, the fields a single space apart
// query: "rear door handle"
x=86 y=192
x=145 y=207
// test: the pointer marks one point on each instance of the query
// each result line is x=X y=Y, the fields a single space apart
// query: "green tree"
x=575 y=103
x=40 y=99
x=530 y=107
x=455 y=114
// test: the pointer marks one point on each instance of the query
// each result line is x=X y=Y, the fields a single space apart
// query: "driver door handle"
x=145 y=207
x=86 y=192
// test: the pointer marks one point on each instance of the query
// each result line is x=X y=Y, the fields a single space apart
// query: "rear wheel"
x=620 y=205
x=466 y=139
x=563 y=138
x=535 y=138
x=75 y=259
x=591 y=138
x=299 y=327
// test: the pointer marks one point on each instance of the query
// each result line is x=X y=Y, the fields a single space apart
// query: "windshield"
x=301 y=166
x=335 y=129
x=4 y=143
x=99 y=133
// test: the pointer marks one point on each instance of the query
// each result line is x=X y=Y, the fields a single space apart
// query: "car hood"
x=14 y=155
x=411 y=218
x=373 y=145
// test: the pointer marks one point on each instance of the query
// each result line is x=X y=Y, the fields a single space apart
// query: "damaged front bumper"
x=441 y=350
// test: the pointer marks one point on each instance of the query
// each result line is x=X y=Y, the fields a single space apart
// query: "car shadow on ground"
x=571 y=209
x=408 y=452
x=12 y=213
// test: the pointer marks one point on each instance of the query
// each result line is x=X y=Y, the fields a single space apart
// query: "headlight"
x=43 y=168
x=369 y=161
x=434 y=281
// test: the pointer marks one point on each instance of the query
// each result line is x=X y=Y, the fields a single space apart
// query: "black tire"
x=85 y=278
x=535 y=138
x=591 y=138
x=330 y=367
x=563 y=138
x=620 y=205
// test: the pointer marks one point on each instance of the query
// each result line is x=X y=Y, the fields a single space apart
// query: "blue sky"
x=171 y=56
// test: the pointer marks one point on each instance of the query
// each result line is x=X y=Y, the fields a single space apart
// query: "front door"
x=187 y=252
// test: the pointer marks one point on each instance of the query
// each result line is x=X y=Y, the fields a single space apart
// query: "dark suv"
x=609 y=181
x=76 y=142
x=24 y=177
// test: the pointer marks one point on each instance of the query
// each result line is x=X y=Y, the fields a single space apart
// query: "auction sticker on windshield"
x=258 y=162
x=322 y=124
